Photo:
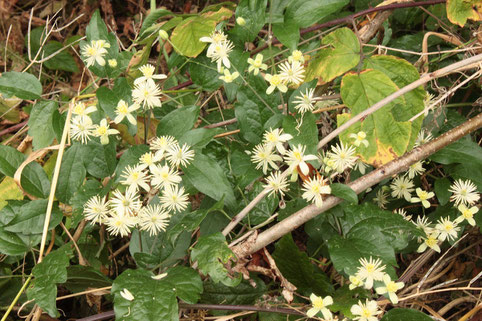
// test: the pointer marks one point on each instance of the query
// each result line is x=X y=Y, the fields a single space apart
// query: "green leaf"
x=33 y=179
x=130 y=158
x=186 y=282
x=80 y=278
x=178 y=121
x=103 y=161
x=243 y=293
x=198 y=138
x=441 y=188
x=8 y=110
x=20 y=84
x=387 y=137
x=91 y=188
x=209 y=178
x=463 y=151
x=306 y=134
x=29 y=218
x=204 y=74
x=11 y=243
x=108 y=98
x=308 y=12
x=345 y=192
x=458 y=11
x=264 y=209
x=152 y=17
x=287 y=33
x=344 y=299
x=211 y=253
x=62 y=60
x=253 y=12
x=402 y=73
x=249 y=120
x=40 y=123
x=52 y=270
x=398 y=314
x=153 y=299
x=96 y=29
x=343 y=55
x=295 y=266
x=72 y=172
x=185 y=37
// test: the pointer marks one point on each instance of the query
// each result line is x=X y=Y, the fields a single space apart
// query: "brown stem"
x=396 y=166
x=13 y=128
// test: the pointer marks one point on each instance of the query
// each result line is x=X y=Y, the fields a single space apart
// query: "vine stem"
x=398 y=165
x=424 y=79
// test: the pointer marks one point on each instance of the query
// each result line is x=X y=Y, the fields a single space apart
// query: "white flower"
x=365 y=312
x=81 y=110
x=447 y=229
x=402 y=187
x=423 y=196
x=403 y=213
x=467 y=213
x=263 y=156
x=415 y=169
x=81 y=128
x=96 y=209
x=314 y=189
x=464 y=192
x=228 y=76
x=424 y=224
x=370 y=270
x=295 y=157
x=276 y=183
x=103 y=131
x=305 y=102
x=147 y=160
x=296 y=56
x=163 y=176
x=123 y=110
x=147 y=94
x=422 y=138
x=355 y=282
x=120 y=224
x=134 y=177
x=430 y=241
x=275 y=81
x=320 y=305
x=125 y=205
x=359 y=139
x=390 y=288
x=343 y=156
x=382 y=198
x=360 y=166
x=148 y=75
x=174 y=199
x=256 y=64
x=153 y=219
x=94 y=52
x=292 y=72
x=126 y=294
x=276 y=138
x=179 y=155
x=161 y=144
x=215 y=38
x=219 y=52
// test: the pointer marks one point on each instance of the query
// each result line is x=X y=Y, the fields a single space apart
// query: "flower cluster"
x=292 y=72
x=156 y=172
x=145 y=94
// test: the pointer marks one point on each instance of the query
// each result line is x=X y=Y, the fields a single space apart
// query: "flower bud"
x=240 y=21
x=163 y=35
x=112 y=63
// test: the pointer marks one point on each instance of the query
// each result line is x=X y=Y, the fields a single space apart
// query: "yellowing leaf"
x=221 y=14
x=186 y=35
x=458 y=11
x=387 y=137
x=9 y=191
x=342 y=55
